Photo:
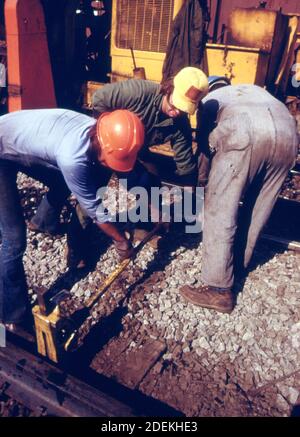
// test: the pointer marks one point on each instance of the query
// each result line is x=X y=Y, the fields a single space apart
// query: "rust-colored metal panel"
x=249 y=27
x=226 y=6
x=30 y=83
x=288 y=6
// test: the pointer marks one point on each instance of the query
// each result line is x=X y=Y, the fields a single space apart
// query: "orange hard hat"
x=121 y=136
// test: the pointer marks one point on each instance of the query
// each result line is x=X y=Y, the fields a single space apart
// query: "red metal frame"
x=30 y=82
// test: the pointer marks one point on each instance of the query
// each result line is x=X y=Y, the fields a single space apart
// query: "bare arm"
x=111 y=231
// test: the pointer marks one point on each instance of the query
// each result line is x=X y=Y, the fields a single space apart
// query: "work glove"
x=124 y=249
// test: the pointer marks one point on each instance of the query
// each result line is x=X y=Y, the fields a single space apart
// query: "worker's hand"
x=124 y=249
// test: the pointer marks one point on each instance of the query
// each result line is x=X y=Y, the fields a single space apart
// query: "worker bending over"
x=249 y=140
x=164 y=110
x=68 y=152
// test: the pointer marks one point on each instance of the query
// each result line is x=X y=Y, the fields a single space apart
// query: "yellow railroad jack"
x=57 y=334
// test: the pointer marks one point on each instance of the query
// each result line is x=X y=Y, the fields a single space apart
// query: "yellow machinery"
x=259 y=45
x=259 y=48
x=145 y=27
x=257 y=41
x=57 y=334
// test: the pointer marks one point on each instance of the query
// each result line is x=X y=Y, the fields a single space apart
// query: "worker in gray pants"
x=248 y=142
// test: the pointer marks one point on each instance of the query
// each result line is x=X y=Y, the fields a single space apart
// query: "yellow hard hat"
x=190 y=86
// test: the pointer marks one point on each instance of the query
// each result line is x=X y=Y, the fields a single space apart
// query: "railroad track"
x=49 y=390
x=286 y=212
x=288 y=244
x=283 y=225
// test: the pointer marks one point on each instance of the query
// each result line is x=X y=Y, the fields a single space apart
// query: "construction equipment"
x=48 y=323
x=257 y=43
x=71 y=342
x=57 y=334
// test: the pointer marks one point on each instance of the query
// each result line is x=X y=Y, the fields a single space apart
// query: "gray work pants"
x=255 y=149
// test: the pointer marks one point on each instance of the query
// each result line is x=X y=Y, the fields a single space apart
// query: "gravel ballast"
x=246 y=363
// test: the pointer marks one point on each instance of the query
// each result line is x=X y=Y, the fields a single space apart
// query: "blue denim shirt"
x=59 y=139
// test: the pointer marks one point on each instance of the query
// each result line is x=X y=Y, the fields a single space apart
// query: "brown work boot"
x=209 y=297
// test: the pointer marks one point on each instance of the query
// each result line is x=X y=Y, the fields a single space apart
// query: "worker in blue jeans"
x=13 y=231
x=74 y=153
x=69 y=152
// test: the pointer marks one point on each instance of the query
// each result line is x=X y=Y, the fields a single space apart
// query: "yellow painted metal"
x=297 y=66
x=254 y=58
x=45 y=328
x=239 y=64
x=122 y=63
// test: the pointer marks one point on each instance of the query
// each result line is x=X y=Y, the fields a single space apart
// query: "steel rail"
x=48 y=390
x=288 y=244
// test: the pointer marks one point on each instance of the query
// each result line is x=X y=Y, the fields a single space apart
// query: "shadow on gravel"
x=296 y=411
x=100 y=244
x=79 y=365
x=263 y=253
x=169 y=243
x=79 y=362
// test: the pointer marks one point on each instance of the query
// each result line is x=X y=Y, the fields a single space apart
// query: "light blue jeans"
x=255 y=149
